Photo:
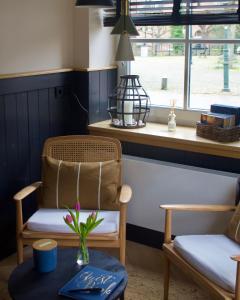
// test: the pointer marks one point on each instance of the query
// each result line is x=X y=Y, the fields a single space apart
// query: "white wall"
x=102 y=45
x=47 y=34
x=35 y=35
x=94 y=46
x=156 y=183
x=81 y=38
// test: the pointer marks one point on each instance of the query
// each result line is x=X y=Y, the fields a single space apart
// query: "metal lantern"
x=129 y=106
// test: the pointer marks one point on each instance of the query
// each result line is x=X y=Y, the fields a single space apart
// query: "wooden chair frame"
x=105 y=152
x=171 y=256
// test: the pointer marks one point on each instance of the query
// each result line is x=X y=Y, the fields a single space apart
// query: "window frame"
x=186 y=115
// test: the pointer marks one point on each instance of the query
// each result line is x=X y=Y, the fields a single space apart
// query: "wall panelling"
x=32 y=109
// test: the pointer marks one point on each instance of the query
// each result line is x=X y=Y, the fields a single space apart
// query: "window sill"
x=155 y=134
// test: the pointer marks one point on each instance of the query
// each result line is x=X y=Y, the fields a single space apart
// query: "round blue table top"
x=25 y=283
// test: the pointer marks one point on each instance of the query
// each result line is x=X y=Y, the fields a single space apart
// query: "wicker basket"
x=219 y=134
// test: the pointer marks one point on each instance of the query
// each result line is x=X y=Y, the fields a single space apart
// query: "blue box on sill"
x=227 y=109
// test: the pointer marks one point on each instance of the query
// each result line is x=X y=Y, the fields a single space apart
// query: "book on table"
x=91 y=283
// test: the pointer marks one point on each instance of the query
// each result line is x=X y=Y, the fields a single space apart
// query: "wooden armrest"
x=197 y=207
x=27 y=191
x=125 y=194
x=236 y=258
x=189 y=207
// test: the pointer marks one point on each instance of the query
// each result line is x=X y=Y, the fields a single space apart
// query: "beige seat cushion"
x=95 y=184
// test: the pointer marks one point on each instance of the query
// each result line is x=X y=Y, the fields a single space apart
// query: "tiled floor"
x=145 y=270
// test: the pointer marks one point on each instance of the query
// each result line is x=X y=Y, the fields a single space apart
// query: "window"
x=196 y=65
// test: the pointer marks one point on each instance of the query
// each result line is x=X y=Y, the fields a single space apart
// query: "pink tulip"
x=68 y=219
x=93 y=214
x=77 y=206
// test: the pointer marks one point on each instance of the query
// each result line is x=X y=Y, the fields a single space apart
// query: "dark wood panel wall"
x=102 y=85
x=31 y=110
x=94 y=94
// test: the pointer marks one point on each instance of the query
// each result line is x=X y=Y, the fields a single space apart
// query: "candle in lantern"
x=128 y=108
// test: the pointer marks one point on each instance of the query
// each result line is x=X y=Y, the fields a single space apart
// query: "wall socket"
x=59 y=92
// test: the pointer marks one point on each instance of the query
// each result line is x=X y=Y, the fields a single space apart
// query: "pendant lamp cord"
x=81 y=106
x=176 y=7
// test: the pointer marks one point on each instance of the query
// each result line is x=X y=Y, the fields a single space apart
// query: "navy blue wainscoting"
x=99 y=85
x=32 y=109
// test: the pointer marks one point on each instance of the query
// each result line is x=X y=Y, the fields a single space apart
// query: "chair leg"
x=123 y=214
x=19 y=227
x=237 y=289
x=166 y=277
x=19 y=251
x=123 y=252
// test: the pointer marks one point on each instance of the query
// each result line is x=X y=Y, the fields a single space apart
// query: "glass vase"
x=82 y=253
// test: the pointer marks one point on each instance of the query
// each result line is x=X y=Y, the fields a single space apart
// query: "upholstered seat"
x=51 y=220
x=213 y=260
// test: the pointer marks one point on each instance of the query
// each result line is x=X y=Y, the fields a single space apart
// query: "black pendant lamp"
x=94 y=3
x=124 y=51
x=125 y=22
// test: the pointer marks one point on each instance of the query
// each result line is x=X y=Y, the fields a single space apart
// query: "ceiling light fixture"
x=124 y=51
x=125 y=22
x=94 y=3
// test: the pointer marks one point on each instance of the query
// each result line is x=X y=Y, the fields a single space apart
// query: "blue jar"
x=45 y=255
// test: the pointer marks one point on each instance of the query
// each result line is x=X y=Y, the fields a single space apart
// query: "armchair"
x=76 y=149
x=206 y=258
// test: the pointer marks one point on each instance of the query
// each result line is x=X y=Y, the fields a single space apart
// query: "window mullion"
x=187 y=69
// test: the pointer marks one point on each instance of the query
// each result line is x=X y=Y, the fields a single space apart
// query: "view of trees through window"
x=195 y=65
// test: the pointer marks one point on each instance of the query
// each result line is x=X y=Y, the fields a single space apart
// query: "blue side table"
x=25 y=283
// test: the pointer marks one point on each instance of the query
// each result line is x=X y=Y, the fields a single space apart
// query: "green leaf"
x=97 y=223
x=83 y=230
x=77 y=211
x=74 y=220
x=72 y=227
x=89 y=221
x=77 y=216
x=94 y=225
